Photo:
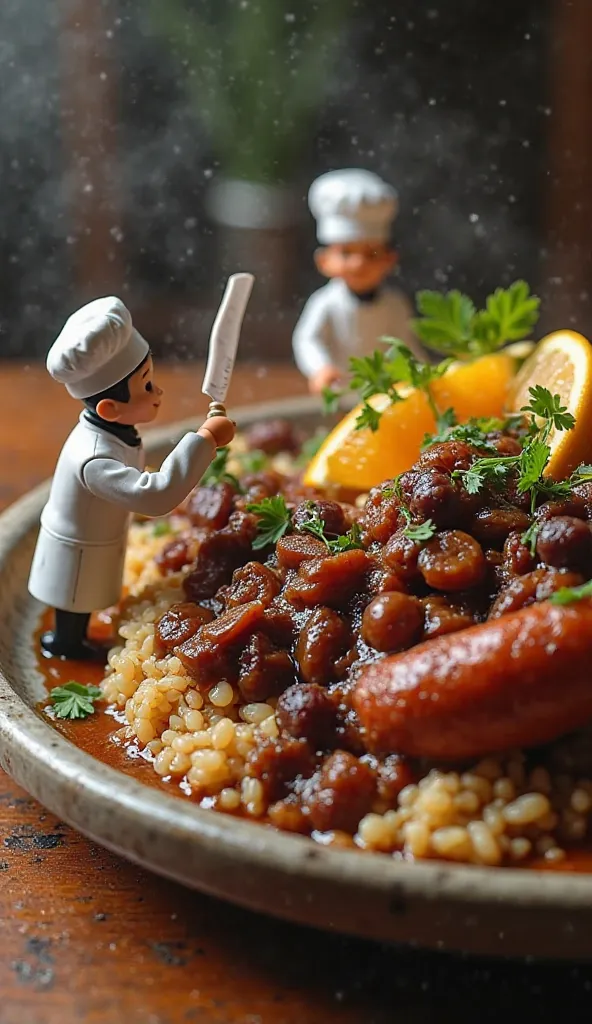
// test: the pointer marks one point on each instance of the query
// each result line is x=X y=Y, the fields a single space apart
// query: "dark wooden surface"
x=87 y=937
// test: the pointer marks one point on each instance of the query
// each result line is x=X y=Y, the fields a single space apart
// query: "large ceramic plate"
x=497 y=911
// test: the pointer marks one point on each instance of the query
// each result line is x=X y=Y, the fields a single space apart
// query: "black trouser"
x=70 y=628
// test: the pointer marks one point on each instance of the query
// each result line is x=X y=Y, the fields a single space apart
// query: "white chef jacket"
x=335 y=324
x=99 y=481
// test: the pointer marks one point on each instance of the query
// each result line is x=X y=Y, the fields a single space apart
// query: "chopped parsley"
x=74 y=700
x=567 y=595
x=531 y=462
x=316 y=526
x=274 y=520
x=310 y=447
x=420 y=532
x=217 y=473
x=162 y=528
x=252 y=462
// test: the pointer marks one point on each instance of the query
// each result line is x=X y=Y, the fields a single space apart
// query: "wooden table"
x=87 y=937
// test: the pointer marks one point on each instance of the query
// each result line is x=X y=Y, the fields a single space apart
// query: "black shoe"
x=52 y=647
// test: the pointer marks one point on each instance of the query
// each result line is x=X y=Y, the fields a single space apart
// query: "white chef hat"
x=97 y=347
x=352 y=206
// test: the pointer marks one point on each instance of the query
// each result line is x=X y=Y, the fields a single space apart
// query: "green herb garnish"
x=474 y=432
x=581 y=475
x=162 y=528
x=382 y=372
x=316 y=526
x=74 y=700
x=217 y=473
x=532 y=460
x=252 y=462
x=310 y=447
x=449 y=323
x=529 y=537
x=567 y=595
x=347 y=541
x=331 y=398
x=419 y=532
x=274 y=520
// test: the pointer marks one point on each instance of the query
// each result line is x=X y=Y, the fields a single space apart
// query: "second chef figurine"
x=100 y=479
x=354 y=210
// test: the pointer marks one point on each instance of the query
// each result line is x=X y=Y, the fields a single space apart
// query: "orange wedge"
x=357 y=460
x=561 y=362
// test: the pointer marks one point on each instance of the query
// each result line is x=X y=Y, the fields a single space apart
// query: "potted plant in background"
x=256 y=74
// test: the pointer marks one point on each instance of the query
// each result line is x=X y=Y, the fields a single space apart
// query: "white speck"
x=431 y=102
x=511 y=198
x=190 y=222
x=116 y=233
x=88 y=187
x=473 y=217
x=526 y=144
x=103 y=76
x=527 y=35
x=208 y=172
x=70 y=240
x=289 y=17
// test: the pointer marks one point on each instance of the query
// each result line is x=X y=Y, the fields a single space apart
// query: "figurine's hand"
x=219 y=430
x=324 y=378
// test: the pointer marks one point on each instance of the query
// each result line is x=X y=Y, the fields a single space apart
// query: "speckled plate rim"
x=434 y=904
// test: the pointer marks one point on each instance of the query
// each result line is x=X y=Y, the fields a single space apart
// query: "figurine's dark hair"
x=119 y=392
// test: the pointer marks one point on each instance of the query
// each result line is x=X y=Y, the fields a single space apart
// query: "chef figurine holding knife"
x=354 y=210
x=100 y=480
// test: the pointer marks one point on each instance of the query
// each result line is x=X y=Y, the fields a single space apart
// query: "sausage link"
x=516 y=681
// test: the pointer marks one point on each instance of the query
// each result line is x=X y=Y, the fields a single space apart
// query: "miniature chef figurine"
x=99 y=479
x=354 y=210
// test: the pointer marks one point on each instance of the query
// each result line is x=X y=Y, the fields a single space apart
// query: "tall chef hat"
x=352 y=206
x=97 y=347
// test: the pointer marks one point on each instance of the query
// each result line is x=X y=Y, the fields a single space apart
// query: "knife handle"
x=216 y=409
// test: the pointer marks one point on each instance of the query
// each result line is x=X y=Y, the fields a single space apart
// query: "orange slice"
x=357 y=460
x=561 y=362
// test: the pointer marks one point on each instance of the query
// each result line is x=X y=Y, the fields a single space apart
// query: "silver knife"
x=224 y=341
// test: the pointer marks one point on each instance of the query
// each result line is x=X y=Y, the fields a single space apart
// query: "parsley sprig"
x=420 y=532
x=567 y=595
x=274 y=520
x=545 y=414
x=315 y=525
x=217 y=472
x=74 y=700
x=381 y=374
x=451 y=324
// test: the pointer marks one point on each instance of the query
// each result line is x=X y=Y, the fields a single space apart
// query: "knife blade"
x=225 y=336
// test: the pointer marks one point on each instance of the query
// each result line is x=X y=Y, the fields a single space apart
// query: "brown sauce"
x=96 y=735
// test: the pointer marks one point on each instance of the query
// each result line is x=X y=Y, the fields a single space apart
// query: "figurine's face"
x=362 y=265
x=144 y=401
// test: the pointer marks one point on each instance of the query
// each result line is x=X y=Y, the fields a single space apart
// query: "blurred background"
x=149 y=148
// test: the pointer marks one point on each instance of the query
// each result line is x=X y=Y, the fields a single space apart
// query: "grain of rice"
x=221 y=694
x=254 y=714
x=416 y=838
x=504 y=789
x=452 y=843
x=229 y=799
x=477 y=784
x=487 y=850
x=526 y=809
x=222 y=734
